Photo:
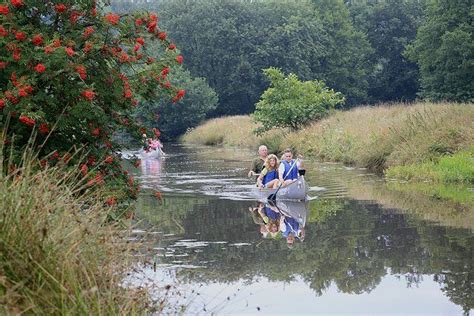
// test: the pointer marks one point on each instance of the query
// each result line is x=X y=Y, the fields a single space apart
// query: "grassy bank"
x=58 y=253
x=378 y=138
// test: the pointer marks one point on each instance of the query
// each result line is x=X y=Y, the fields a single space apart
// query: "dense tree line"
x=370 y=51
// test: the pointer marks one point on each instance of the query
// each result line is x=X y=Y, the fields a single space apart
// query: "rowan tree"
x=72 y=72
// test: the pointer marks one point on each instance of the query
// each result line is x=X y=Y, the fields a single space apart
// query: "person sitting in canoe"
x=268 y=177
x=155 y=144
x=146 y=144
x=257 y=164
x=288 y=170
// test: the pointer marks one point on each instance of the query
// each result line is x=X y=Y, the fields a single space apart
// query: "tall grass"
x=377 y=137
x=58 y=254
x=458 y=168
x=235 y=131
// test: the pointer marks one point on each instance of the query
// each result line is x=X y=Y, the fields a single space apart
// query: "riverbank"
x=59 y=253
x=392 y=138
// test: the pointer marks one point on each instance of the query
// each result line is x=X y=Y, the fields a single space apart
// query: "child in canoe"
x=269 y=176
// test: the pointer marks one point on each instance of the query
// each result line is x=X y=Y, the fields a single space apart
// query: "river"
x=362 y=245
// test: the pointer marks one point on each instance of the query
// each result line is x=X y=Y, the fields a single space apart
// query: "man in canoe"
x=288 y=170
x=257 y=164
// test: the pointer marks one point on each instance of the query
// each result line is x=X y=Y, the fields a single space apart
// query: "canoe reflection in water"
x=152 y=167
x=283 y=219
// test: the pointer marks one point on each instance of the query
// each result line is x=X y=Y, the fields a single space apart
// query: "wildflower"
x=60 y=7
x=26 y=120
x=172 y=46
x=37 y=40
x=74 y=17
x=88 y=94
x=4 y=9
x=162 y=36
x=17 y=55
x=124 y=57
x=22 y=92
x=140 y=41
x=43 y=128
x=81 y=70
x=69 y=51
x=2 y=103
x=3 y=64
x=165 y=72
x=87 y=47
x=112 y=18
x=55 y=155
x=151 y=26
x=48 y=50
x=84 y=169
x=17 y=3
x=57 y=42
x=138 y=22
x=21 y=36
x=109 y=159
x=88 y=31
x=96 y=132
x=40 y=68
x=179 y=59
x=110 y=201
x=3 y=32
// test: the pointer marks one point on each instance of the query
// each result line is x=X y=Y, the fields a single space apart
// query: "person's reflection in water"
x=151 y=167
x=291 y=229
x=275 y=222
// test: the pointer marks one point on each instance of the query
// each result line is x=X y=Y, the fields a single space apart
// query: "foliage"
x=291 y=103
x=345 y=63
x=73 y=73
x=59 y=255
x=175 y=118
x=389 y=25
x=444 y=50
x=232 y=41
x=457 y=168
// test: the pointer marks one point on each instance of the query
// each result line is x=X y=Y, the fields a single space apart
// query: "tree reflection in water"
x=354 y=247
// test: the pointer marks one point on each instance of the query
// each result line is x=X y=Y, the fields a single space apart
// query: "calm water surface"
x=208 y=250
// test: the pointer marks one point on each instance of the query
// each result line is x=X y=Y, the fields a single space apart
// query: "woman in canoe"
x=269 y=176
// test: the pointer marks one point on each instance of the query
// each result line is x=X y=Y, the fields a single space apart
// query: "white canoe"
x=296 y=191
x=152 y=154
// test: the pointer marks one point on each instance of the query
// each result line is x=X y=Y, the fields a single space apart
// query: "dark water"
x=404 y=254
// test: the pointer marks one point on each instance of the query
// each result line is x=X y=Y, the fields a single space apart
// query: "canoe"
x=296 y=191
x=295 y=209
x=152 y=154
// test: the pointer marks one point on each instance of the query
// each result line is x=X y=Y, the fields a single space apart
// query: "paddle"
x=273 y=196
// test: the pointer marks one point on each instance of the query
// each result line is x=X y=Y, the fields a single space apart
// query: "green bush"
x=291 y=103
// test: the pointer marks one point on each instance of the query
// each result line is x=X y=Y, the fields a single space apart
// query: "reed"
x=58 y=252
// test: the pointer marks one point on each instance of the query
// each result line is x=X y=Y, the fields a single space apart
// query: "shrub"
x=74 y=73
x=291 y=103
